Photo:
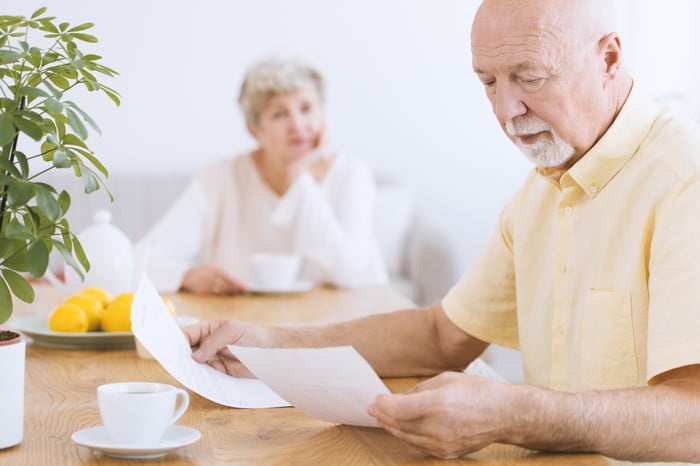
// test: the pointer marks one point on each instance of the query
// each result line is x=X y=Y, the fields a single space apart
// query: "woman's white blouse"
x=227 y=213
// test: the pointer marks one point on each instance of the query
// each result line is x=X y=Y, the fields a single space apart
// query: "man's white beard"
x=545 y=152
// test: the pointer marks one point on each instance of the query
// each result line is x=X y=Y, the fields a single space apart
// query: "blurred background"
x=401 y=94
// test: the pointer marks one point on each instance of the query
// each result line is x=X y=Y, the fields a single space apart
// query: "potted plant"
x=41 y=67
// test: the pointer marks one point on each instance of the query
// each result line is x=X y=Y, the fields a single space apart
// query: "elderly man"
x=593 y=272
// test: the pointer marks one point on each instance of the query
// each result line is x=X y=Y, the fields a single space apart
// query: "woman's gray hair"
x=274 y=76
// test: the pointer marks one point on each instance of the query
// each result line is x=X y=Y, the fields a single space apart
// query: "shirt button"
x=593 y=189
x=568 y=210
x=562 y=269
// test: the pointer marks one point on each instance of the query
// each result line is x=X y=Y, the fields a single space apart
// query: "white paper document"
x=158 y=332
x=333 y=384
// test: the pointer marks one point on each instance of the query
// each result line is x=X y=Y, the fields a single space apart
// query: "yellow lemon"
x=124 y=298
x=117 y=316
x=92 y=307
x=99 y=293
x=170 y=305
x=68 y=318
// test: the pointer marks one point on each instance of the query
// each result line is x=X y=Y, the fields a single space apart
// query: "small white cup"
x=274 y=270
x=139 y=413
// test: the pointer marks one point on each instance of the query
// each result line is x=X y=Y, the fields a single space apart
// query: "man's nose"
x=508 y=102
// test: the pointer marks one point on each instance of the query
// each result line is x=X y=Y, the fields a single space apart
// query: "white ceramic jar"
x=110 y=254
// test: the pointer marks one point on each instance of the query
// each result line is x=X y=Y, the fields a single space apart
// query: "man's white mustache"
x=524 y=126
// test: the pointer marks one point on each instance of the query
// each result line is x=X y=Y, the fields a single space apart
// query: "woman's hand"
x=317 y=161
x=209 y=339
x=209 y=279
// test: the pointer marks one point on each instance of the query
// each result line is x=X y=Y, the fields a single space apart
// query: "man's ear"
x=612 y=55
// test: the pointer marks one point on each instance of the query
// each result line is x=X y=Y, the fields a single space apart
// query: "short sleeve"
x=483 y=302
x=674 y=285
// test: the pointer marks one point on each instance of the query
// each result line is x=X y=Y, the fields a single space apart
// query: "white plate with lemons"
x=37 y=328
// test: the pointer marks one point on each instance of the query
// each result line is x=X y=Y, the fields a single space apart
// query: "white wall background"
x=401 y=92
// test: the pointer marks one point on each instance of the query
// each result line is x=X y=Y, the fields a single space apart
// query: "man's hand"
x=446 y=416
x=209 y=339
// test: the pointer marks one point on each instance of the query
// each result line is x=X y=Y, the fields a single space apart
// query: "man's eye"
x=531 y=81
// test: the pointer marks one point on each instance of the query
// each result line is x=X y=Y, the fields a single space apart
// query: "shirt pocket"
x=608 y=351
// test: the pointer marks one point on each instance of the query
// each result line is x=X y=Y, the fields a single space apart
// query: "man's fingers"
x=391 y=409
x=213 y=337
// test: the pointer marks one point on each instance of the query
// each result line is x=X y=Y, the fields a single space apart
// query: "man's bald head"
x=552 y=70
x=573 y=21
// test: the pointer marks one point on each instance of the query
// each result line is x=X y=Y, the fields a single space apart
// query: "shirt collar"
x=616 y=147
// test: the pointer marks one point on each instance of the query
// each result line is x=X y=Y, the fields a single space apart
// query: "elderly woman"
x=291 y=194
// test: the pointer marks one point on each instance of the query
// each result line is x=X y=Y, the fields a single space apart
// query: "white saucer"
x=297 y=287
x=98 y=439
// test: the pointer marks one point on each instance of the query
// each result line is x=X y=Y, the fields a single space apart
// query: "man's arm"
x=453 y=414
x=403 y=343
x=656 y=423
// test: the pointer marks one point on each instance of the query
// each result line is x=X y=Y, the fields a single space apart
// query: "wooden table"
x=61 y=399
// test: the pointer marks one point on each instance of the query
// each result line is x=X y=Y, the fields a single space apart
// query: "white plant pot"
x=12 y=357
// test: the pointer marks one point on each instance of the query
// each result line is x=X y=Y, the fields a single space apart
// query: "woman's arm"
x=174 y=242
x=333 y=227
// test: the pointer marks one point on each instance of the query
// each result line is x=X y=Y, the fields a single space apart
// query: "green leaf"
x=8 y=56
x=91 y=57
x=60 y=159
x=15 y=230
x=89 y=181
x=111 y=93
x=19 y=285
x=68 y=258
x=11 y=170
x=85 y=37
x=73 y=140
x=55 y=92
x=37 y=259
x=84 y=116
x=19 y=193
x=28 y=127
x=5 y=302
x=32 y=92
x=18 y=260
x=95 y=162
x=77 y=124
x=4 y=246
x=38 y=12
x=64 y=202
x=80 y=253
x=59 y=80
x=34 y=58
x=46 y=203
x=81 y=27
x=7 y=129
x=23 y=163
x=53 y=105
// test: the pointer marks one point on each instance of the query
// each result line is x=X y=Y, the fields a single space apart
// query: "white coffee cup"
x=272 y=270
x=139 y=413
